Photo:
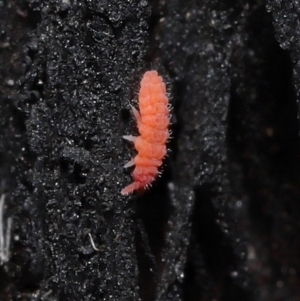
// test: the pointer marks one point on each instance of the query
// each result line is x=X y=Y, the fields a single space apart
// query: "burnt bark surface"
x=222 y=223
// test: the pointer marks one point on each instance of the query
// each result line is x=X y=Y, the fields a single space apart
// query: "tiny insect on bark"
x=152 y=121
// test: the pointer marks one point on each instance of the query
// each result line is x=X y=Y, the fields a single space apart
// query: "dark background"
x=223 y=221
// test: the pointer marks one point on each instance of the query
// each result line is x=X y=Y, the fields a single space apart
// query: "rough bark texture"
x=223 y=221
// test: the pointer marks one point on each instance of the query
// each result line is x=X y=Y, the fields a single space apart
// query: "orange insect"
x=152 y=121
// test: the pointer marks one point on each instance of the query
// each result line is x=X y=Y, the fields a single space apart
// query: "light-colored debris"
x=93 y=244
x=4 y=239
